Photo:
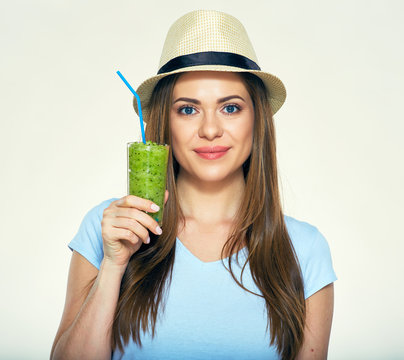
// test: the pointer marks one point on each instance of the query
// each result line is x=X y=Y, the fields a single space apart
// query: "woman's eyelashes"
x=187 y=110
x=231 y=109
x=228 y=109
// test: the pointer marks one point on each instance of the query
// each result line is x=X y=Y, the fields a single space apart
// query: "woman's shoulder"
x=306 y=238
x=97 y=210
x=88 y=239
x=313 y=253
x=300 y=231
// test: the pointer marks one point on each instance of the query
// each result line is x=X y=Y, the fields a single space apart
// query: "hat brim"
x=276 y=89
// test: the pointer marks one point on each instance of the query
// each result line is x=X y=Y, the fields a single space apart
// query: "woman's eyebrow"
x=194 y=101
x=219 y=101
x=227 y=98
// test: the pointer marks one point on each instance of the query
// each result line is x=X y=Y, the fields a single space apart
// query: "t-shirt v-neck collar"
x=242 y=255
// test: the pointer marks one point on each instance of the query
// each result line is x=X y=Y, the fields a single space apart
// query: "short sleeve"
x=317 y=270
x=88 y=240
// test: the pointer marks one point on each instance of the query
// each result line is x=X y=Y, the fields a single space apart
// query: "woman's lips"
x=211 y=153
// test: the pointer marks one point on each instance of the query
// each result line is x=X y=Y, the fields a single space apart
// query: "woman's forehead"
x=193 y=80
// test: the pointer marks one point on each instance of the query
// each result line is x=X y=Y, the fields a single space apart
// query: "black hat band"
x=209 y=58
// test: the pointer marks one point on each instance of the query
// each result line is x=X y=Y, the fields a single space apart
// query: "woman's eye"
x=230 y=109
x=187 y=110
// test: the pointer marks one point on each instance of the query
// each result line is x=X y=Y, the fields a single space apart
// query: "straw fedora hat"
x=209 y=40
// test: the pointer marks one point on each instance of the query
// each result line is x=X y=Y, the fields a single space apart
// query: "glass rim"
x=146 y=145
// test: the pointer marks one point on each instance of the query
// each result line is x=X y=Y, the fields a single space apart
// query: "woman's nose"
x=210 y=126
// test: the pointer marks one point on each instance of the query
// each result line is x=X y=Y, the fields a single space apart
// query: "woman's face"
x=211 y=121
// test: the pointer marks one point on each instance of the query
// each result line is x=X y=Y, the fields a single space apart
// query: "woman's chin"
x=217 y=176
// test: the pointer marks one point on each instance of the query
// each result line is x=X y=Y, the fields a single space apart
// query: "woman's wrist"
x=109 y=266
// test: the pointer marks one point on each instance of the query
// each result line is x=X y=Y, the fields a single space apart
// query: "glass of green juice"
x=147 y=173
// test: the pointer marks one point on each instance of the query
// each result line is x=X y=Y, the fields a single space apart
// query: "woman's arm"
x=319 y=311
x=85 y=328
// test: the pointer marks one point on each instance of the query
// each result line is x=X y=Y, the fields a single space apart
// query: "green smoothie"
x=147 y=172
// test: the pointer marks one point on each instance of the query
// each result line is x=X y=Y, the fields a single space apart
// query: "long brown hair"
x=259 y=223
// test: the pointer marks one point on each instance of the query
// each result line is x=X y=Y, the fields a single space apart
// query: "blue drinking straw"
x=139 y=107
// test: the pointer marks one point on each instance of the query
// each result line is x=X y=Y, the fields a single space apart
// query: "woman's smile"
x=211 y=153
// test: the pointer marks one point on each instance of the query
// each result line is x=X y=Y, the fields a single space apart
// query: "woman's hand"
x=125 y=226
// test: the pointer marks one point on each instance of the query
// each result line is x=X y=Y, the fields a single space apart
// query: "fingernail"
x=158 y=230
x=148 y=240
x=154 y=207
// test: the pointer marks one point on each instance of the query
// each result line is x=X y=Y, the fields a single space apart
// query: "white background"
x=66 y=117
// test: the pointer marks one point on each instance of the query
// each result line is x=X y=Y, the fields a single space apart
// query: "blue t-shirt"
x=207 y=315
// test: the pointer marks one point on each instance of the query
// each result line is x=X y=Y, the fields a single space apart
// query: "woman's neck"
x=210 y=202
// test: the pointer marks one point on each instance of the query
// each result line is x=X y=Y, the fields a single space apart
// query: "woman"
x=229 y=276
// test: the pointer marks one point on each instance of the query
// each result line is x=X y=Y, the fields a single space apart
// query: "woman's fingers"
x=125 y=225
x=129 y=229
x=137 y=203
x=133 y=215
x=125 y=219
x=165 y=197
